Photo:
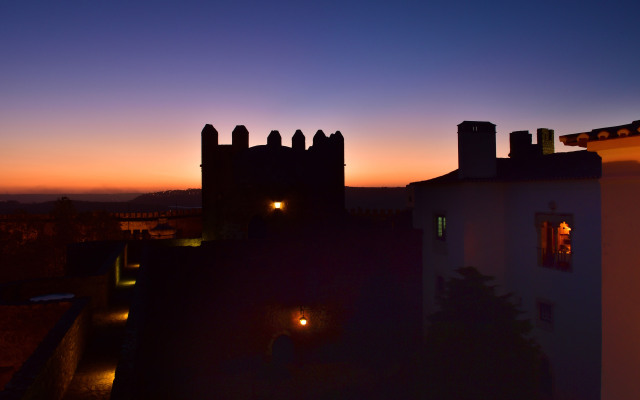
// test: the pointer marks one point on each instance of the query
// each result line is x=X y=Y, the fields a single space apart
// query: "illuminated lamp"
x=303 y=320
x=278 y=205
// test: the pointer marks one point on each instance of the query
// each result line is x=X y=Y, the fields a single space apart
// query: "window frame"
x=545 y=314
x=440 y=227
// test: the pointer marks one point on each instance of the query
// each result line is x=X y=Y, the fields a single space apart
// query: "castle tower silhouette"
x=241 y=185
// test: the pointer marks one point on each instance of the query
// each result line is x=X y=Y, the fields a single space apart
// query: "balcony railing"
x=556 y=259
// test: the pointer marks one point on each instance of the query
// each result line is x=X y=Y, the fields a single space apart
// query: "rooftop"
x=608 y=133
x=570 y=165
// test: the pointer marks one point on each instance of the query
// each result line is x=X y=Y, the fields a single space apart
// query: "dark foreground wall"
x=49 y=370
x=222 y=320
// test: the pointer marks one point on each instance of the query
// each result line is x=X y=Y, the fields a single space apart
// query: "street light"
x=303 y=320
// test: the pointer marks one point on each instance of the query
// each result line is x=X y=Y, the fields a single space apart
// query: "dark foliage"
x=476 y=346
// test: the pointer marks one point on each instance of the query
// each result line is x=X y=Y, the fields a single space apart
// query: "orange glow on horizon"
x=78 y=165
x=37 y=184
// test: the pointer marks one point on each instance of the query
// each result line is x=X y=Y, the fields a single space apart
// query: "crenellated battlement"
x=240 y=139
x=240 y=183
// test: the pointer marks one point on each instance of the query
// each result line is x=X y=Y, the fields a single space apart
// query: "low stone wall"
x=96 y=288
x=95 y=279
x=50 y=368
x=22 y=328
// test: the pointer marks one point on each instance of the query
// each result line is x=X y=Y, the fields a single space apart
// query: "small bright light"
x=303 y=320
x=277 y=205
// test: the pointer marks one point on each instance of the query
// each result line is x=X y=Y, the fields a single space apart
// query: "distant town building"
x=533 y=222
x=173 y=224
x=247 y=191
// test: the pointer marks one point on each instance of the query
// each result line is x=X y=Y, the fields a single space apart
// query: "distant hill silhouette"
x=380 y=198
x=375 y=198
x=389 y=198
x=92 y=197
x=172 y=198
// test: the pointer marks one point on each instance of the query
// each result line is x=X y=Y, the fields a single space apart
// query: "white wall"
x=573 y=343
x=491 y=226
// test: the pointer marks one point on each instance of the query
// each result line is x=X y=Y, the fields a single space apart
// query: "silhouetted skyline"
x=112 y=96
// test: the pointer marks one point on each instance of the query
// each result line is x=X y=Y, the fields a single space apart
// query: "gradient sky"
x=112 y=95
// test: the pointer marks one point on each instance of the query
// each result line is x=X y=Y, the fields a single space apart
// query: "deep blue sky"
x=106 y=95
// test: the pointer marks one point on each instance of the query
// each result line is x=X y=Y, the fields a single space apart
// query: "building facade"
x=532 y=221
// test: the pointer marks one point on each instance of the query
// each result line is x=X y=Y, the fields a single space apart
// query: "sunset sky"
x=112 y=95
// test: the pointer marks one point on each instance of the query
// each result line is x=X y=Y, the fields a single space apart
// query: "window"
x=545 y=315
x=554 y=241
x=440 y=227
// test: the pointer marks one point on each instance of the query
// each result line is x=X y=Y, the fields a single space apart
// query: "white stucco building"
x=532 y=221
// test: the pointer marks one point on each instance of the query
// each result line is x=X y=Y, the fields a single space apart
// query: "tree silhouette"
x=65 y=231
x=476 y=346
x=65 y=228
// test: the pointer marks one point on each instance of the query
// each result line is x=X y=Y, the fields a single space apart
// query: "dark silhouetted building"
x=255 y=191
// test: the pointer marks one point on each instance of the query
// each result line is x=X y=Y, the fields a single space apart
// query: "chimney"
x=476 y=150
x=520 y=144
x=545 y=140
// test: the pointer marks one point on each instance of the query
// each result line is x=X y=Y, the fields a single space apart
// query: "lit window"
x=278 y=205
x=440 y=222
x=554 y=241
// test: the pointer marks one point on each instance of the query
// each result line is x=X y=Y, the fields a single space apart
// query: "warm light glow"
x=564 y=228
x=102 y=379
x=564 y=238
x=278 y=205
x=129 y=282
x=195 y=242
x=123 y=316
